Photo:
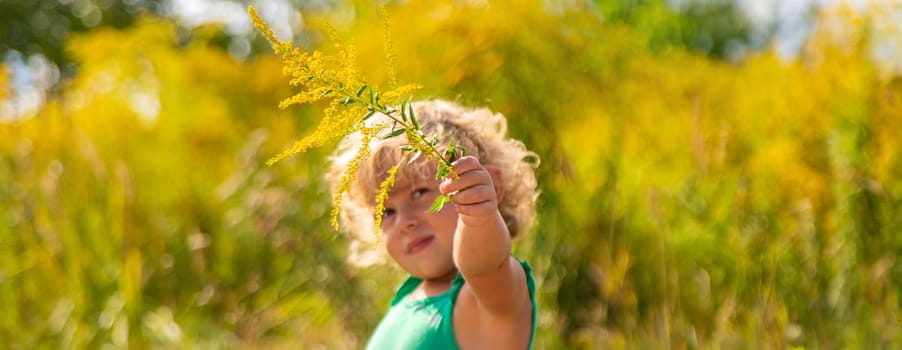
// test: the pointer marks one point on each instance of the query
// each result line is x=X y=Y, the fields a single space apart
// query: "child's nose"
x=409 y=219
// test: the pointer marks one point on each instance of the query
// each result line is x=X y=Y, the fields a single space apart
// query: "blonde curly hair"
x=482 y=133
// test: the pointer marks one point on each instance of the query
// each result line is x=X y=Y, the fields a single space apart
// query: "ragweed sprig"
x=352 y=101
x=384 y=188
x=350 y=172
x=389 y=51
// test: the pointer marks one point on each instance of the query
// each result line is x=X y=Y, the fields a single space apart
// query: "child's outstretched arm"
x=482 y=241
x=482 y=246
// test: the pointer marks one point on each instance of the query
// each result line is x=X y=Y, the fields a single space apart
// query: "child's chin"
x=433 y=272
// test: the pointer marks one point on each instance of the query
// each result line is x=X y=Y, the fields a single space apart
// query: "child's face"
x=420 y=242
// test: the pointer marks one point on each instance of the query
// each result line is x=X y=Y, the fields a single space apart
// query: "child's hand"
x=476 y=195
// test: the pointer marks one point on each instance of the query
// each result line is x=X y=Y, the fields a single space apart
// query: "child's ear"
x=497 y=180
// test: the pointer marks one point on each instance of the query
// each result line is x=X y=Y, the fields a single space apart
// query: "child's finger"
x=474 y=195
x=465 y=164
x=465 y=180
x=476 y=209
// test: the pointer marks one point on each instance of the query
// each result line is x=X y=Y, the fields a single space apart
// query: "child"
x=465 y=289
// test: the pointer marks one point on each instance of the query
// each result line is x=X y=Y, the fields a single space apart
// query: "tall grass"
x=687 y=202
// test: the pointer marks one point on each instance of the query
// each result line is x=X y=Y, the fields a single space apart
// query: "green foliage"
x=137 y=210
x=41 y=26
x=686 y=202
x=713 y=27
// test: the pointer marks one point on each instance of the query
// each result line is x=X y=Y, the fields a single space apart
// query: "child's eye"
x=387 y=212
x=419 y=193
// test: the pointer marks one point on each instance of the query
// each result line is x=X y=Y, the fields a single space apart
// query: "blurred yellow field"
x=687 y=200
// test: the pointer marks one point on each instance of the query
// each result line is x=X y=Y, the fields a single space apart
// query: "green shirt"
x=426 y=323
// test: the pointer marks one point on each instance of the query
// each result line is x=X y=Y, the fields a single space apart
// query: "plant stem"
x=405 y=125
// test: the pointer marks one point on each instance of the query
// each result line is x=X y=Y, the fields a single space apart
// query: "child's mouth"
x=418 y=245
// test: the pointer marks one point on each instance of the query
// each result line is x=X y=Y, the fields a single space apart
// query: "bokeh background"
x=715 y=174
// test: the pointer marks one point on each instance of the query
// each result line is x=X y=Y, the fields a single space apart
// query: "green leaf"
x=442 y=171
x=325 y=93
x=439 y=203
x=414 y=157
x=370 y=114
x=413 y=117
x=404 y=111
x=393 y=134
x=360 y=91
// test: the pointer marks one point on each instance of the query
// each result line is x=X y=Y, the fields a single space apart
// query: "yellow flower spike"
x=261 y=26
x=416 y=141
x=398 y=94
x=384 y=187
x=350 y=173
x=351 y=99
x=389 y=50
x=308 y=96
x=336 y=40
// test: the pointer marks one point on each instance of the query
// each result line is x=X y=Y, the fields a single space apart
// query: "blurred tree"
x=714 y=27
x=42 y=26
